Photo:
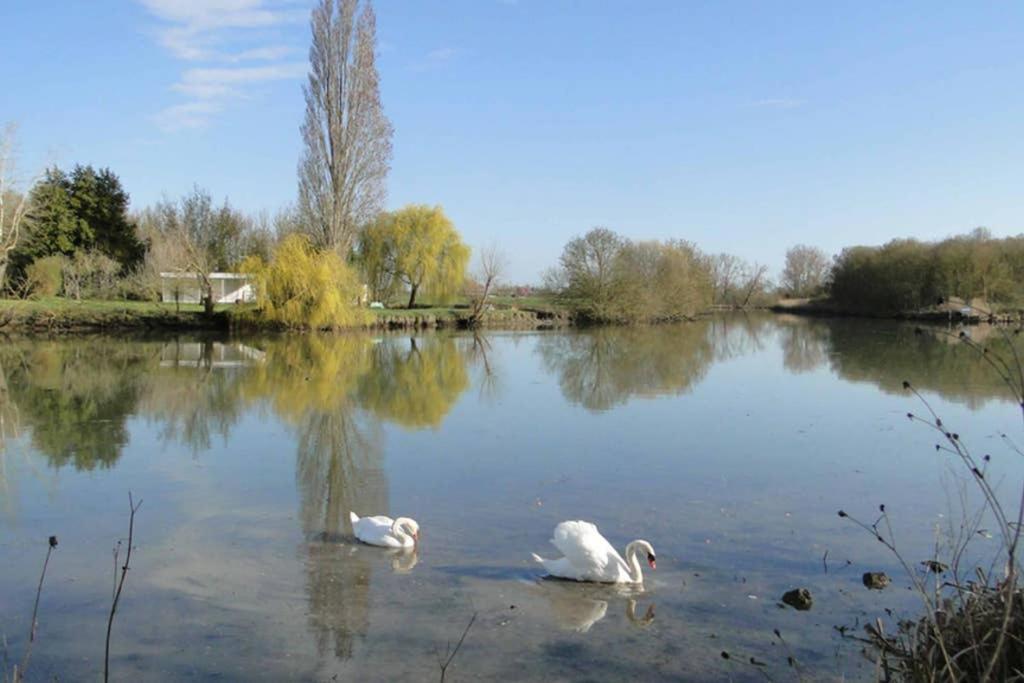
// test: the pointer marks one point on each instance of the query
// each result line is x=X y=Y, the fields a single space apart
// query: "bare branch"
x=134 y=507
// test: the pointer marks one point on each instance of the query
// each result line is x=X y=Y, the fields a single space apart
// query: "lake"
x=730 y=444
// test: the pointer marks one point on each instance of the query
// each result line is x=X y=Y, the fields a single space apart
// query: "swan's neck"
x=636 y=572
x=398 y=531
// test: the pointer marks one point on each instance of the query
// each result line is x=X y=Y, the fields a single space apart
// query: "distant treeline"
x=907 y=275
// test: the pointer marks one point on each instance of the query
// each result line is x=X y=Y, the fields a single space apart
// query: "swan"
x=588 y=556
x=384 y=531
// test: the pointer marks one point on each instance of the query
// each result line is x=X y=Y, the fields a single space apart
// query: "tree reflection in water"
x=605 y=367
x=416 y=384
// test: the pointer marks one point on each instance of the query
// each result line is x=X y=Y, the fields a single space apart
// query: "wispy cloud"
x=436 y=59
x=215 y=84
x=188 y=115
x=226 y=37
x=779 y=103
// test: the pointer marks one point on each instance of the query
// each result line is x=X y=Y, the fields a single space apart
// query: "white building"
x=185 y=288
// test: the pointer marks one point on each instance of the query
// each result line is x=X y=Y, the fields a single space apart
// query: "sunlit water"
x=729 y=444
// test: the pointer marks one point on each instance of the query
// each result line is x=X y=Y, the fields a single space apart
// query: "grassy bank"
x=59 y=315
x=56 y=314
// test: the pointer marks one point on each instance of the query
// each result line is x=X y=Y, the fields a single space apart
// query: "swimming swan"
x=588 y=556
x=386 y=532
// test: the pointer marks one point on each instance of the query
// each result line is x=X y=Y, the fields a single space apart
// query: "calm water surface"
x=729 y=444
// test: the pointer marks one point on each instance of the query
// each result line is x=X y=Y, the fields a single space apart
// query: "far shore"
x=66 y=316
x=954 y=312
x=56 y=315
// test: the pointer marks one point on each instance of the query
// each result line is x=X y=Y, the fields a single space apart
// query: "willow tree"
x=304 y=287
x=347 y=138
x=428 y=251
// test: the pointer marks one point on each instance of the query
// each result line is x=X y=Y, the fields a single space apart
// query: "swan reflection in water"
x=577 y=607
x=403 y=559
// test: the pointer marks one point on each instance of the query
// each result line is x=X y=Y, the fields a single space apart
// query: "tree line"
x=314 y=263
x=907 y=274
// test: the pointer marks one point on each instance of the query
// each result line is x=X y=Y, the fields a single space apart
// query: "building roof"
x=213 y=276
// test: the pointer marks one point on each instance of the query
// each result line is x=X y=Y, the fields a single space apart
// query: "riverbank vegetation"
x=972 y=598
x=907 y=275
x=603 y=277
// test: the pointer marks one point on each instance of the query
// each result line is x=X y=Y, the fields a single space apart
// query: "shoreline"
x=823 y=308
x=71 y=318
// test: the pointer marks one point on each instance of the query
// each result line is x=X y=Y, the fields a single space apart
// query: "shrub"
x=90 y=274
x=305 y=287
x=603 y=277
x=44 y=276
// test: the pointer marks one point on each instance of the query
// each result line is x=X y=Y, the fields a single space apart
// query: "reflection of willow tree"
x=309 y=382
x=414 y=384
x=932 y=360
x=805 y=343
x=605 y=367
x=75 y=398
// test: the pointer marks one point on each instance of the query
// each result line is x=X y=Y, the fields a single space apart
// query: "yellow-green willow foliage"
x=309 y=373
x=414 y=385
x=419 y=247
x=306 y=287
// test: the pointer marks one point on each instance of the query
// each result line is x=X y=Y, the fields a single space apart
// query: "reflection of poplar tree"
x=338 y=470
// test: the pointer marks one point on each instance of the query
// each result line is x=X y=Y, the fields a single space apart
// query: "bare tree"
x=12 y=203
x=806 y=270
x=346 y=135
x=726 y=270
x=754 y=280
x=490 y=270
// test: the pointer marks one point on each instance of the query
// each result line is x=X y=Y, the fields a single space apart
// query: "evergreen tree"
x=84 y=211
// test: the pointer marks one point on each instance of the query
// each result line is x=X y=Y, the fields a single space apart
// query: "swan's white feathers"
x=377 y=530
x=588 y=555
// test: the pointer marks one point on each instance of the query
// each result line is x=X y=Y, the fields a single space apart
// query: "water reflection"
x=602 y=368
x=414 y=384
x=805 y=343
x=73 y=398
x=578 y=606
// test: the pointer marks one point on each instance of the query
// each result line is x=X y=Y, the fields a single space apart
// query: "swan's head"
x=410 y=527
x=649 y=549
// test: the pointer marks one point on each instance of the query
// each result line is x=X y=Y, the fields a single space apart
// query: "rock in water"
x=798 y=598
x=876 y=580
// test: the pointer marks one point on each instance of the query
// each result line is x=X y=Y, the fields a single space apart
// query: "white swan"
x=386 y=532
x=590 y=557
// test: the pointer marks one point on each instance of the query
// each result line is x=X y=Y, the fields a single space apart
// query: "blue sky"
x=745 y=127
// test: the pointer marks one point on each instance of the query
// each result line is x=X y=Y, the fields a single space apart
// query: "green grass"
x=92 y=313
x=61 y=305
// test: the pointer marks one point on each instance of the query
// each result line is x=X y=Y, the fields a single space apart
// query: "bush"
x=305 y=287
x=90 y=274
x=44 y=276
x=603 y=277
